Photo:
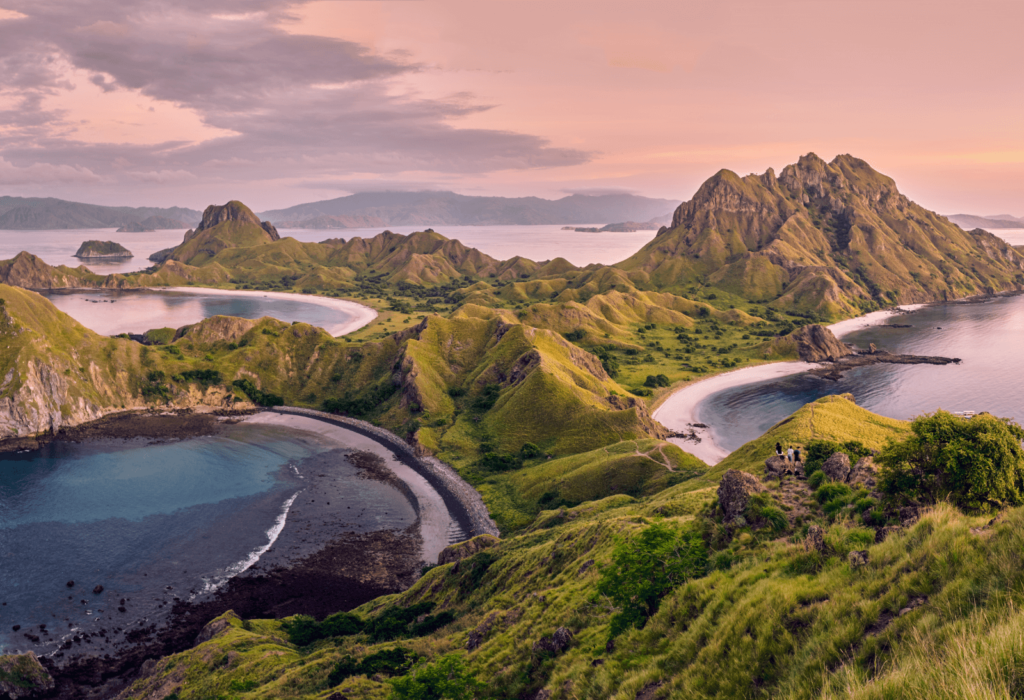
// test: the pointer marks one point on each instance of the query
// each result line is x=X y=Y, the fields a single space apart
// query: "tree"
x=645 y=568
x=976 y=463
x=445 y=679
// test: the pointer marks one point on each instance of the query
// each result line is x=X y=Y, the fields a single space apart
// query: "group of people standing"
x=792 y=454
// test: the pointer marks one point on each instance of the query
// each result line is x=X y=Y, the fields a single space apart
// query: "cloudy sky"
x=278 y=102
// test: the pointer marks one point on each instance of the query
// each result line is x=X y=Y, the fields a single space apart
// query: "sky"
x=279 y=102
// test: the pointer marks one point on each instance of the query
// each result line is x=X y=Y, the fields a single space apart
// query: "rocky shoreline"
x=151 y=424
x=834 y=370
x=300 y=573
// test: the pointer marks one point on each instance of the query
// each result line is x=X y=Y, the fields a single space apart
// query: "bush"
x=362 y=406
x=655 y=381
x=446 y=678
x=486 y=400
x=395 y=622
x=575 y=336
x=390 y=662
x=201 y=376
x=500 y=462
x=530 y=451
x=977 y=463
x=817 y=451
x=256 y=395
x=303 y=630
x=646 y=567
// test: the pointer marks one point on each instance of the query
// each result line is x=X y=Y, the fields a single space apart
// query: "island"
x=92 y=250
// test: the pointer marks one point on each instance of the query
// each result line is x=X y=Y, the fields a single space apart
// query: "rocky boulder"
x=815 y=541
x=837 y=467
x=555 y=644
x=864 y=473
x=777 y=466
x=858 y=559
x=816 y=343
x=464 y=550
x=22 y=676
x=734 y=492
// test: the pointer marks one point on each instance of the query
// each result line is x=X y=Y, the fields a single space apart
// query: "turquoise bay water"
x=136 y=518
x=988 y=336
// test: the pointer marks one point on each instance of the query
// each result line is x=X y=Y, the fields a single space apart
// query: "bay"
x=986 y=335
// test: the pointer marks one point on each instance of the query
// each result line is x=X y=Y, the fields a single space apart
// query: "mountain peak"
x=233 y=211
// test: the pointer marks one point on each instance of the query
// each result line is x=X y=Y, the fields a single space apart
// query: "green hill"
x=789 y=602
x=830 y=238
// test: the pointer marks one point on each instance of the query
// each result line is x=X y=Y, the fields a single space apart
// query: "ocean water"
x=152 y=522
x=114 y=311
x=987 y=336
x=501 y=242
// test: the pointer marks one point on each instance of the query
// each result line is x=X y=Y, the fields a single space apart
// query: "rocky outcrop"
x=864 y=474
x=816 y=343
x=815 y=541
x=216 y=329
x=776 y=466
x=734 y=492
x=554 y=644
x=463 y=550
x=837 y=467
x=23 y=676
x=857 y=559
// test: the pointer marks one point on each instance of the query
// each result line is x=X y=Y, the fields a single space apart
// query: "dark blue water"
x=136 y=517
x=987 y=336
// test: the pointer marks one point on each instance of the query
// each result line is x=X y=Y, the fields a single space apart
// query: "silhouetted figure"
x=789 y=455
x=778 y=449
x=796 y=455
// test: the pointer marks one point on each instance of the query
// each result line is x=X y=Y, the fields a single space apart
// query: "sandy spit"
x=435 y=519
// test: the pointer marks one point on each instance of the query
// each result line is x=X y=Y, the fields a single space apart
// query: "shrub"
x=976 y=463
x=817 y=451
x=486 y=400
x=575 y=336
x=303 y=630
x=256 y=395
x=201 y=376
x=655 y=381
x=390 y=662
x=500 y=462
x=530 y=451
x=446 y=678
x=646 y=567
x=395 y=622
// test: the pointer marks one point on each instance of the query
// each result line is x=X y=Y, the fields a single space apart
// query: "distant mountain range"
x=969 y=221
x=37 y=213
x=368 y=210
x=374 y=209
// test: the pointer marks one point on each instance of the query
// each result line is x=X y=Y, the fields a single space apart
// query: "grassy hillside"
x=934 y=610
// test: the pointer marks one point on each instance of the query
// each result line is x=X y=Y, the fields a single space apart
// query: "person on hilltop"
x=789 y=455
x=778 y=449
x=796 y=455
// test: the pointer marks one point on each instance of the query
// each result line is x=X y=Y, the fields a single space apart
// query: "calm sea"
x=501 y=242
x=136 y=518
x=987 y=336
x=114 y=311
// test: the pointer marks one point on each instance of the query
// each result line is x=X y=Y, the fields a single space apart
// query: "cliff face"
x=816 y=343
x=832 y=238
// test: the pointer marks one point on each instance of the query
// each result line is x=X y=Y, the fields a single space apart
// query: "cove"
x=157 y=522
x=115 y=311
x=986 y=334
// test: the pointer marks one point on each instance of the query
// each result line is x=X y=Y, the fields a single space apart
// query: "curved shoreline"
x=464 y=503
x=363 y=315
x=679 y=409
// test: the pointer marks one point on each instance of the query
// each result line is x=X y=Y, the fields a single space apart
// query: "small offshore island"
x=617 y=563
x=100 y=250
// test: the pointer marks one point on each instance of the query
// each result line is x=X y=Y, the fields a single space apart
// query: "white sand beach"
x=679 y=410
x=357 y=315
